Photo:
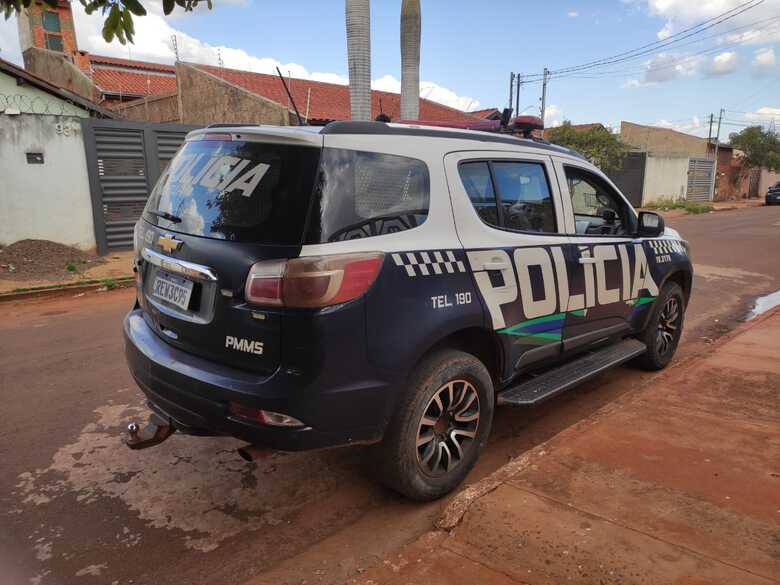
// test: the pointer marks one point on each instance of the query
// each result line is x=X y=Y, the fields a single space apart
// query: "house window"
x=54 y=43
x=51 y=24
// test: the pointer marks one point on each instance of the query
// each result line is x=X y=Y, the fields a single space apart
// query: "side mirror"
x=651 y=225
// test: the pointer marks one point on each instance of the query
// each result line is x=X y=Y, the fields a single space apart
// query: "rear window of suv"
x=263 y=193
x=234 y=190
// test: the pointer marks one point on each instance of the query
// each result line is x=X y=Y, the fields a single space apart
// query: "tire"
x=664 y=328
x=449 y=388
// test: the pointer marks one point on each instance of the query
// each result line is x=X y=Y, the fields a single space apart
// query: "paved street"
x=77 y=507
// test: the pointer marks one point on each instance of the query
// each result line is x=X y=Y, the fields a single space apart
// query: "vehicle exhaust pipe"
x=253 y=452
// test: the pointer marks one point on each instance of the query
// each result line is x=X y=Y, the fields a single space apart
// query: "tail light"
x=318 y=281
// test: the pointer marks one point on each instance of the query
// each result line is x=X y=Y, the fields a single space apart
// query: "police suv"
x=390 y=284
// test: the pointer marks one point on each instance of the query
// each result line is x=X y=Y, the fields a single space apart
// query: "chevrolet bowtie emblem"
x=169 y=243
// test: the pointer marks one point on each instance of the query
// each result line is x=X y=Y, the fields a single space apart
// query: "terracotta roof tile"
x=132 y=63
x=486 y=113
x=328 y=101
x=116 y=81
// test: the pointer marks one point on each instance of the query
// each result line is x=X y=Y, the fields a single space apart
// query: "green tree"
x=761 y=147
x=598 y=144
x=118 y=23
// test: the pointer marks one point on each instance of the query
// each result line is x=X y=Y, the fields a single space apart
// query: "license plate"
x=176 y=292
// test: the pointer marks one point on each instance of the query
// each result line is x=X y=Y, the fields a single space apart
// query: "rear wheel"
x=664 y=328
x=439 y=428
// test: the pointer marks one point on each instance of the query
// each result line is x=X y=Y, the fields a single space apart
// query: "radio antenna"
x=289 y=95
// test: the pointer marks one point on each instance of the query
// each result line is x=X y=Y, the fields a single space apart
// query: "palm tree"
x=410 y=59
x=359 y=58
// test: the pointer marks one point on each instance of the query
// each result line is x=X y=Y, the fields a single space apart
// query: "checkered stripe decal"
x=667 y=247
x=428 y=263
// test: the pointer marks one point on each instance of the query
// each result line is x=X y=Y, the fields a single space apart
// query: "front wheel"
x=664 y=328
x=441 y=423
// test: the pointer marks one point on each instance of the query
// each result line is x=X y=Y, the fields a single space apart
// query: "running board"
x=565 y=377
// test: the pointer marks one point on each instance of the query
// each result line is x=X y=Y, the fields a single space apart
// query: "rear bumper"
x=194 y=394
x=773 y=199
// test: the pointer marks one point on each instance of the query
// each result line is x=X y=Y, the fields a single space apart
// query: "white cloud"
x=692 y=126
x=429 y=90
x=764 y=115
x=722 y=64
x=668 y=66
x=572 y=14
x=680 y=14
x=9 y=41
x=765 y=62
x=553 y=116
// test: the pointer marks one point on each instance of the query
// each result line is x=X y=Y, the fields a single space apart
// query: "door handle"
x=587 y=260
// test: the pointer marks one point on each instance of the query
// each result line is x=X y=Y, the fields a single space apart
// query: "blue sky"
x=468 y=51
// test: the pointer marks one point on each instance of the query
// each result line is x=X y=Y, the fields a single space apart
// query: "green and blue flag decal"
x=549 y=329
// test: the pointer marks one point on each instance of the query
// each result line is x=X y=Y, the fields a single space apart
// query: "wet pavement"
x=77 y=507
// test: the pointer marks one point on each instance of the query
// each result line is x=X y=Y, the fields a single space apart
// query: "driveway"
x=77 y=507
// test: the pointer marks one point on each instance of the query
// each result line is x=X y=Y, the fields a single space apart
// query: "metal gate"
x=700 y=175
x=630 y=178
x=124 y=161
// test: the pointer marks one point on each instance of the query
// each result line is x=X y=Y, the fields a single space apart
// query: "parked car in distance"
x=773 y=194
x=388 y=284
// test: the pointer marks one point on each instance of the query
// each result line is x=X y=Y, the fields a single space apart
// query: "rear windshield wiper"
x=166 y=215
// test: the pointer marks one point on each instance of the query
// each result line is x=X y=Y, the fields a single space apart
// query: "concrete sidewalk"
x=677 y=483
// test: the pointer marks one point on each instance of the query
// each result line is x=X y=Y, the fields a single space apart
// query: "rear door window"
x=234 y=190
x=512 y=195
x=364 y=194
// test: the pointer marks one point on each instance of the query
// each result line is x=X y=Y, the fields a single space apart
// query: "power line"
x=662 y=44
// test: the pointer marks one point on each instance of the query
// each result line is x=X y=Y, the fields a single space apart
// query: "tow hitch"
x=154 y=433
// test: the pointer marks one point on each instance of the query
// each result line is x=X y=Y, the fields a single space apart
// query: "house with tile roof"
x=187 y=92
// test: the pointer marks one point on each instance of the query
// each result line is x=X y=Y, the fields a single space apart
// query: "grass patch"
x=109 y=283
x=688 y=206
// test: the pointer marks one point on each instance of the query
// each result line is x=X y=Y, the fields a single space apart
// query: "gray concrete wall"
x=59 y=71
x=157 y=109
x=49 y=201
x=666 y=177
x=207 y=99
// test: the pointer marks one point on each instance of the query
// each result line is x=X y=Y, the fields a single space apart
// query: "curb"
x=60 y=290
x=451 y=515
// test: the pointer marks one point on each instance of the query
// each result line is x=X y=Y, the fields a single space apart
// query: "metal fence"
x=124 y=161
x=700 y=176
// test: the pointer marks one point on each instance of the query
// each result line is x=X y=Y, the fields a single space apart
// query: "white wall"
x=665 y=178
x=31 y=100
x=768 y=178
x=49 y=201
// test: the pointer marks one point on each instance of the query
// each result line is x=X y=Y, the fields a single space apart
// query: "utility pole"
x=544 y=93
x=709 y=134
x=717 y=144
x=511 y=87
x=517 y=95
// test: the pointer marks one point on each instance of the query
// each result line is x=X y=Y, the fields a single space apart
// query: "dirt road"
x=76 y=507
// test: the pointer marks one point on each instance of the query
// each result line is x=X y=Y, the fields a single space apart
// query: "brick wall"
x=207 y=99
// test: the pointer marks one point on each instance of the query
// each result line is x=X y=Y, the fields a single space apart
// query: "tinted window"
x=525 y=196
x=54 y=43
x=479 y=186
x=364 y=194
x=598 y=209
x=241 y=191
x=51 y=21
